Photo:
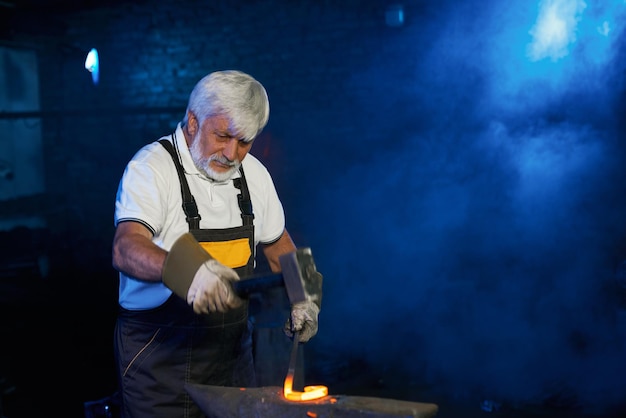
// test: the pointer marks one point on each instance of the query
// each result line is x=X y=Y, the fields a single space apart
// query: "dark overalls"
x=159 y=350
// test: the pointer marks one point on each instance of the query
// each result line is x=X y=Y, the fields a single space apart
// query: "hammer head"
x=301 y=278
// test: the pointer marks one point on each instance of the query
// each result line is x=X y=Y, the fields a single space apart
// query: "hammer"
x=298 y=274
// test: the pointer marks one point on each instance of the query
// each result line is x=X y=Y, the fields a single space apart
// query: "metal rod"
x=294 y=356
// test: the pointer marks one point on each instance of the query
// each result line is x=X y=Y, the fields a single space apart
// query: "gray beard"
x=203 y=164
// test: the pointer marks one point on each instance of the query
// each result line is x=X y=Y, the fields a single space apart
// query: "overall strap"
x=189 y=202
x=245 y=203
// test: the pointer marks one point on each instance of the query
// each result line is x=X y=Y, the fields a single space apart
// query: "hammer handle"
x=245 y=287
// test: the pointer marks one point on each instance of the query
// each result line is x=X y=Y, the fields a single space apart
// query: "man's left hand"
x=304 y=317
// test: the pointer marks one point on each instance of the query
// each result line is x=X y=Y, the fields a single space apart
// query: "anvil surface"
x=269 y=402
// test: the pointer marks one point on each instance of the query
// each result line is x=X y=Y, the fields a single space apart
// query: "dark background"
x=457 y=168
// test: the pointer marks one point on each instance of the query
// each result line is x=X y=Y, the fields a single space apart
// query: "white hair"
x=234 y=94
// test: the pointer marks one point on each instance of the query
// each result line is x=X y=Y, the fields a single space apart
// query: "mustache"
x=223 y=160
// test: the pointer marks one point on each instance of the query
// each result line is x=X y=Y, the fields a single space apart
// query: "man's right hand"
x=211 y=289
x=199 y=279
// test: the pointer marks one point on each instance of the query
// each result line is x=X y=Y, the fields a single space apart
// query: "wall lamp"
x=92 y=64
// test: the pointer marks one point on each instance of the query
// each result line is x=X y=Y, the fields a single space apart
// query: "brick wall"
x=152 y=53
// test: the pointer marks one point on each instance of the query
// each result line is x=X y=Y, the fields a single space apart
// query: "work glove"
x=195 y=276
x=303 y=319
x=211 y=289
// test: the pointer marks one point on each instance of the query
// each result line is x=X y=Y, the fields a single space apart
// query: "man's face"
x=216 y=150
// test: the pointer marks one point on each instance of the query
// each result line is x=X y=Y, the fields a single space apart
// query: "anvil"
x=269 y=402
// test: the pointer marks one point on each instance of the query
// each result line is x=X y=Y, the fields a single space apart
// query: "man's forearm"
x=137 y=256
x=282 y=246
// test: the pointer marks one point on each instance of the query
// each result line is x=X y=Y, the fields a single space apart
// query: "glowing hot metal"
x=310 y=392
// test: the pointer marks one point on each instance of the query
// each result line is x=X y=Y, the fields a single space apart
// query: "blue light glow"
x=555 y=29
x=92 y=64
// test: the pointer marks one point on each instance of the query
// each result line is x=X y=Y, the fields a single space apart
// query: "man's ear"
x=192 y=123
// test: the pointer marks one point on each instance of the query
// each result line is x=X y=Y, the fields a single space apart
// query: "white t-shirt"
x=149 y=192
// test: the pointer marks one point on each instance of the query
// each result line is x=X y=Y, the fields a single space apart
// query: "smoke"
x=474 y=248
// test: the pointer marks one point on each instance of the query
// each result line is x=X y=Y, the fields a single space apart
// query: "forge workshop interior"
x=458 y=169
